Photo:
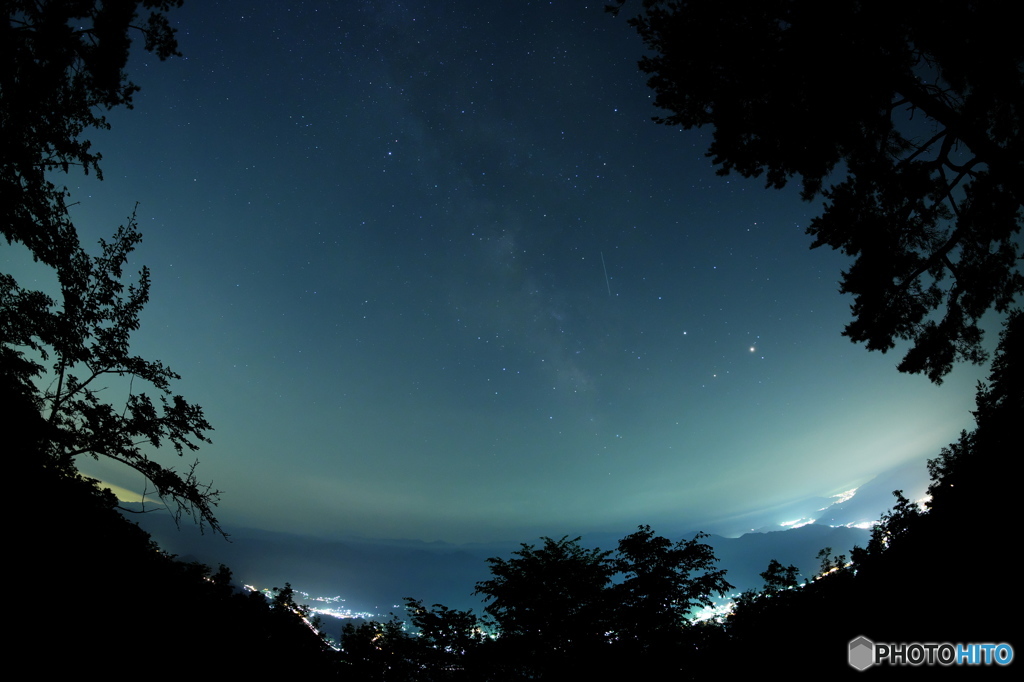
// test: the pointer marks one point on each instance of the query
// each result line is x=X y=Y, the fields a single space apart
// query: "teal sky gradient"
x=375 y=233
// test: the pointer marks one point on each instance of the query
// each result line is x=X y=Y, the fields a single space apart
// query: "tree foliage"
x=380 y=651
x=894 y=524
x=962 y=474
x=778 y=578
x=663 y=583
x=87 y=338
x=62 y=65
x=451 y=642
x=550 y=598
x=445 y=645
x=561 y=607
x=443 y=629
x=912 y=133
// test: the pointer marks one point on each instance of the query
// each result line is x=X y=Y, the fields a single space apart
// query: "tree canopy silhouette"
x=62 y=64
x=907 y=118
x=550 y=602
x=663 y=583
x=88 y=338
x=561 y=607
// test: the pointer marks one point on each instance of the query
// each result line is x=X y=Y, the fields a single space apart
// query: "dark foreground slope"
x=96 y=593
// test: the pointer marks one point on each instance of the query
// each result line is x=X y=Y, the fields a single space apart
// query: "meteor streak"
x=606 y=282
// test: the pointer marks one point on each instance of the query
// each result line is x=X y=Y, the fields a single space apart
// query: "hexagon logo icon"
x=862 y=653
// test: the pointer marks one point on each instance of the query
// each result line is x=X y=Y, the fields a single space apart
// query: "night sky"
x=433 y=273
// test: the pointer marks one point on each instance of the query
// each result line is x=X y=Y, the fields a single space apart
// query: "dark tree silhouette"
x=88 y=339
x=450 y=642
x=907 y=118
x=376 y=651
x=563 y=610
x=550 y=604
x=966 y=476
x=445 y=629
x=752 y=608
x=664 y=582
x=894 y=524
x=660 y=586
x=62 y=64
x=778 y=578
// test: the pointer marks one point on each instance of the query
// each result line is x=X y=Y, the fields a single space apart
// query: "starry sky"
x=433 y=273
